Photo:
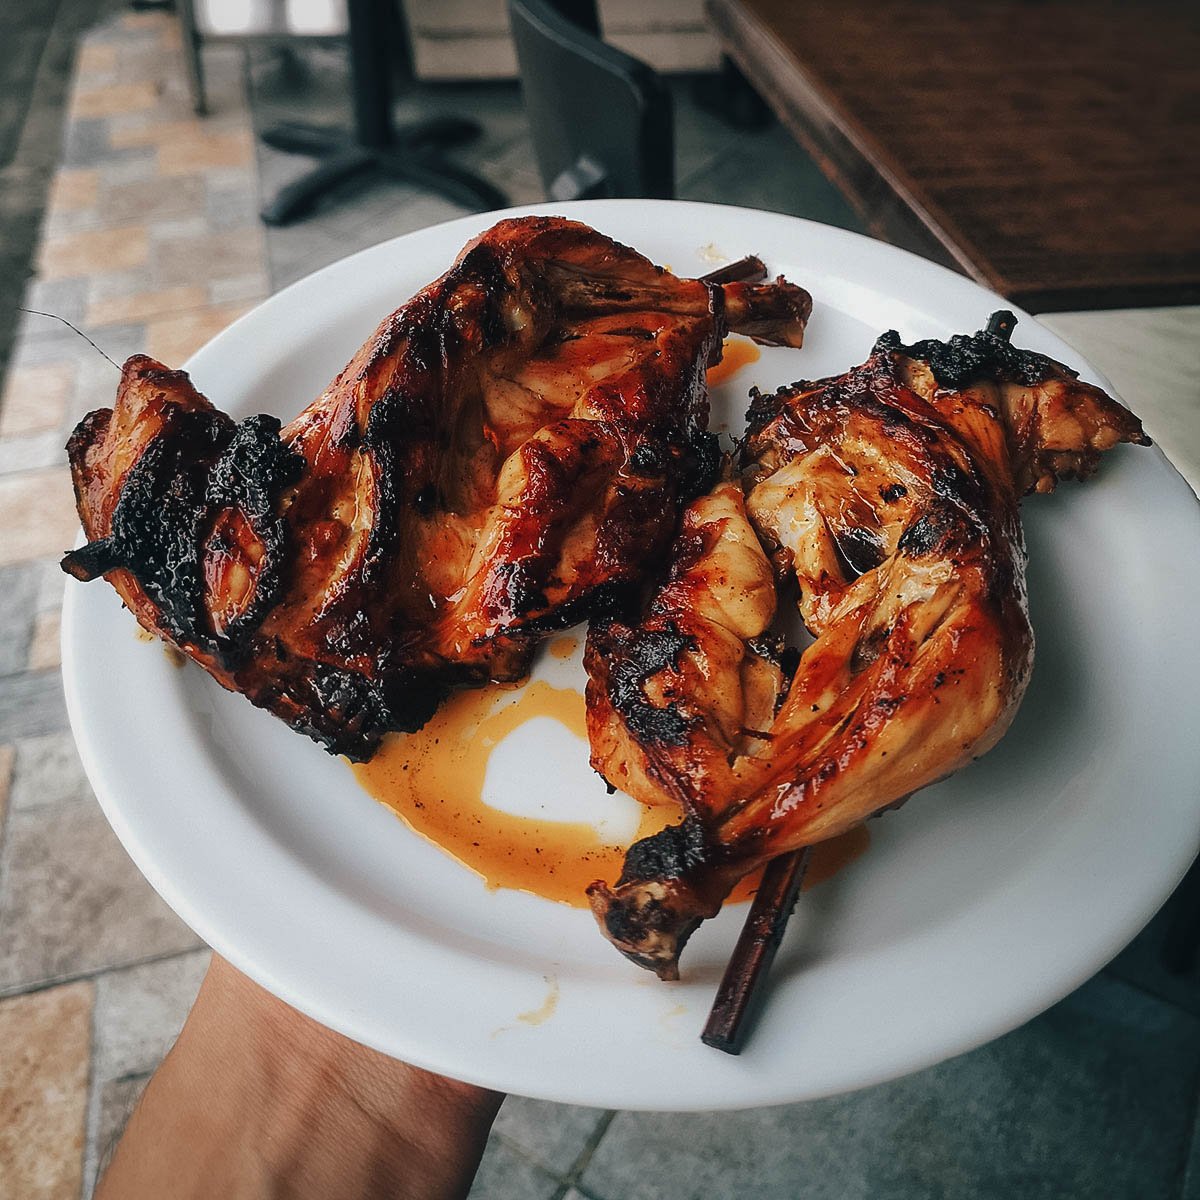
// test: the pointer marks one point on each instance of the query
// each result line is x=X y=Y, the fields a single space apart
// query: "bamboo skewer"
x=743 y=983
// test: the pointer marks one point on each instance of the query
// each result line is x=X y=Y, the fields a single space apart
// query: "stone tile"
x=44 y=1043
x=139 y=1012
x=150 y=131
x=74 y=188
x=134 y=166
x=194 y=226
x=71 y=902
x=32 y=453
x=1094 y=1098
x=61 y=298
x=98 y=379
x=58 y=346
x=95 y=250
x=214 y=256
x=35 y=398
x=145 y=305
x=153 y=199
x=7 y=757
x=95 y=59
x=51 y=584
x=297 y=251
x=174 y=338
x=116 y=343
x=18 y=589
x=47 y=771
x=200 y=150
x=62 y=222
x=85 y=143
x=231 y=206
x=37 y=514
x=230 y=180
x=145 y=61
x=245 y=287
x=504 y=1174
x=769 y=171
x=31 y=704
x=107 y=285
x=112 y=99
x=552 y=1135
x=307 y=246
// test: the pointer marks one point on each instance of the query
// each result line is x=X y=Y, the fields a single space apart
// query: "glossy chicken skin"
x=503 y=456
x=889 y=495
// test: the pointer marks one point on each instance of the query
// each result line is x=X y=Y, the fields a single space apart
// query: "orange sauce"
x=738 y=352
x=540 y=1015
x=563 y=647
x=434 y=780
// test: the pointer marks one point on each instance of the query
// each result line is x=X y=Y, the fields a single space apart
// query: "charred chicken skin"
x=504 y=456
x=889 y=495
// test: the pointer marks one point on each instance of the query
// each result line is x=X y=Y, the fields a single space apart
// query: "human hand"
x=258 y=1100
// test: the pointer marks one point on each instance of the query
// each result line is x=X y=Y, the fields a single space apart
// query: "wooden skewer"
x=745 y=977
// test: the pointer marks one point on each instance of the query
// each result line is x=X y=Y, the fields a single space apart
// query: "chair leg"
x=193 y=63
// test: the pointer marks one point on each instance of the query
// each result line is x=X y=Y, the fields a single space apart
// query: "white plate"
x=985 y=900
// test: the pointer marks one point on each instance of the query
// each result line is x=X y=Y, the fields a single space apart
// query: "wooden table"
x=1049 y=148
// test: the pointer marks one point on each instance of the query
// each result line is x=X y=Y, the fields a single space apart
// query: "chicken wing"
x=504 y=456
x=889 y=496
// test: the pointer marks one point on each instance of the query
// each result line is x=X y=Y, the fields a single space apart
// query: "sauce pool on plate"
x=435 y=780
x=737 y=353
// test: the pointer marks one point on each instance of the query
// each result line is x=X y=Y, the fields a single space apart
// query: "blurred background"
x=163 y=168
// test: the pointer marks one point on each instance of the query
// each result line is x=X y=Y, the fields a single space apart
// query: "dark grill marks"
x=702 y=459
x=859 y=550
x=249 y=477
x=199 y=465
x=346 y=713
x=669 y=854
x=158 y=520
x=634 y=655
x=968 y=358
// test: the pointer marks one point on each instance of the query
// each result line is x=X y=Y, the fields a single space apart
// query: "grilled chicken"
x=504 y=456
x=889 y=496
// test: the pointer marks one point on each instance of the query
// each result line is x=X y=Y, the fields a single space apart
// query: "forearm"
x=256 y=1100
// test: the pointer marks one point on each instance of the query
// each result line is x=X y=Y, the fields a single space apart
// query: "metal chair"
x=411 y=152
x=602 y=121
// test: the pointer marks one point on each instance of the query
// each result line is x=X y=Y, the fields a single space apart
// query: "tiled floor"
x=151 y=242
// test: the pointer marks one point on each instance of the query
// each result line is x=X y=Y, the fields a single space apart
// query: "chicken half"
x=504 y=456
x=889 y=497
